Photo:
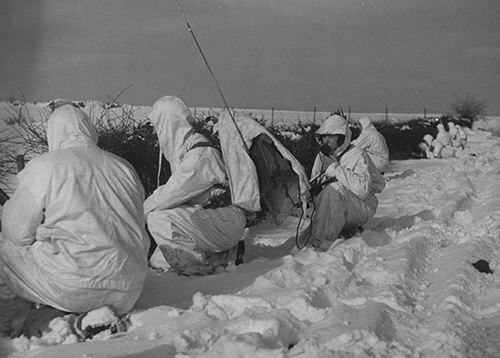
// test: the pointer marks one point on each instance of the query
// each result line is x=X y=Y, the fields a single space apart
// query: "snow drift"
x=408 y=286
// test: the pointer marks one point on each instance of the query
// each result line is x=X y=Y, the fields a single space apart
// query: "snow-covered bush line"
x=120 y=132
x=126 y=132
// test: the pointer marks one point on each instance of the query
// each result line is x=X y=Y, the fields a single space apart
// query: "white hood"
x=172 y=121
x=69 y=126
x=336 y=124
x=77 y=212
x=366 y=123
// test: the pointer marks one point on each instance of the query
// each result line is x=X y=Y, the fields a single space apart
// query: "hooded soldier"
x=457 y=134
x=348 y=199
x=462 y=135
x=426 y=146
x=73 y=232
x=453 y=132
x=373 y=143
x=442 y=144
x=192 y=237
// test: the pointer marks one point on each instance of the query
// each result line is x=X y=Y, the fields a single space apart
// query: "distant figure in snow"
x=455 y=138
x=373 y=143
x=457 y=135
x=442 y=144
x=73 y=234
x=441 y=147
x=351 y=181
x=427 y=147
x=193 y=234
x=462 y=135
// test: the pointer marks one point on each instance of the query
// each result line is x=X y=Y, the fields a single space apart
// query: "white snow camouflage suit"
x=284 y=183
x=349 y=201
x=373 y=143
x=74 y=232
x=442 y=144
x=185 y=231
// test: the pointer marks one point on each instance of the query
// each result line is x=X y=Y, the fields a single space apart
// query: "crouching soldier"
x=462 y=135
x=373 y=142
x=73 y=235
x=443 y=147
x=347 y=198
x=193 y=236
x=196 y=232
x=457 y=134
x=426 y=146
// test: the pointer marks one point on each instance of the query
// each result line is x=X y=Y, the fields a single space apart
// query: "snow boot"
x=101 y=321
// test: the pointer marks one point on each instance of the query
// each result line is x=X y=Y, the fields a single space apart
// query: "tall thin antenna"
x=211 y=72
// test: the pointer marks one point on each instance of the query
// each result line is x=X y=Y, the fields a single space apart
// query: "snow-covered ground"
x=405 y=287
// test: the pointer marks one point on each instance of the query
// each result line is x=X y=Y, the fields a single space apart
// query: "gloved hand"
x=315 y=189
x=331 y=171
x=320 y=183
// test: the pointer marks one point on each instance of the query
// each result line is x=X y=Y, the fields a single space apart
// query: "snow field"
x=405 y=287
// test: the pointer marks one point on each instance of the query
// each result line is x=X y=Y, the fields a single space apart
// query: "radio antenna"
x=211 y=71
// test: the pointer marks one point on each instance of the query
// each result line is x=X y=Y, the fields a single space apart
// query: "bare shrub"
x=22 y=136
x=469 y=108
x=119 y=132
x=134 y=139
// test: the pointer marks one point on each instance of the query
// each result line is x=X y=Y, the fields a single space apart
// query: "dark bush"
x=304 y=149
x=139 y=146
x=136 y=141
x=403 y=138
x=445 y=119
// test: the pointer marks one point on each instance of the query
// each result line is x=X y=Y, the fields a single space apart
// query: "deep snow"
x=405 y=287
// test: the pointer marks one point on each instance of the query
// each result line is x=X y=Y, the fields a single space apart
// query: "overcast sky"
x=287 y=54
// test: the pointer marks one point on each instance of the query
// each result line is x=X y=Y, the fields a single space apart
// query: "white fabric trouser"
x=187 y=234
x=442 y=151
x=336 y=209
x=21 y=273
